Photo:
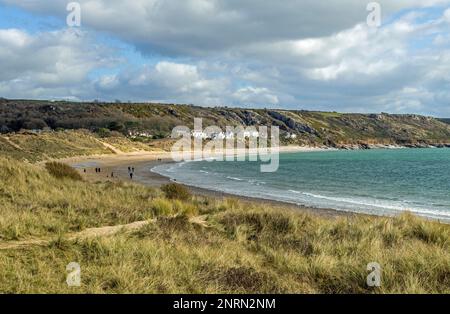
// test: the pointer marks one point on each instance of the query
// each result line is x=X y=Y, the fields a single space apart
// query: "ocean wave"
x=383 y=205
x=235 y=179
x=374 y=203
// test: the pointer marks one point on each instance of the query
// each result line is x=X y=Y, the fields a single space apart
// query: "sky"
x=290 y=54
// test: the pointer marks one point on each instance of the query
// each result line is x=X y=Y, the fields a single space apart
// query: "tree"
x=103 y=132
x=34 y=124
x=4 y=129
x=116 y=126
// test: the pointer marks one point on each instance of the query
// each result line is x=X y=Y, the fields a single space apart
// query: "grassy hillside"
x=37 y=147
x=311 y=128
x=200 y=244
x=34 y=147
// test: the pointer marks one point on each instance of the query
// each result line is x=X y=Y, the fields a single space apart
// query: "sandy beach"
x=115 y=168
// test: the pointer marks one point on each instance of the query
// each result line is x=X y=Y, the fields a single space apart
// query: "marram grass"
x=239 y=248
x=60 y=170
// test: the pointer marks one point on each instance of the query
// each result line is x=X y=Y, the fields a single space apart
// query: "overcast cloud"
x=287 y=54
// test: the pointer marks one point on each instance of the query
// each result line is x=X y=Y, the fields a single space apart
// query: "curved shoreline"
x=144 y=163
x=196 y=190
x=272 y=197
x=118 y=164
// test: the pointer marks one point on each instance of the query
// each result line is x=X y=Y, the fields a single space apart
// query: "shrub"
x=103 y=132
x=60 y=170
x=185 y=208
x=176 y=191
x=161 y=207
x=116 y=126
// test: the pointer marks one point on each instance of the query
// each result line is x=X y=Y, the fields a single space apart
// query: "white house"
x=199 y=134
x=134 y=134
x=290 y=136
x=180 y=133
x=251 y=134
x=229 y=135
x=218 y=136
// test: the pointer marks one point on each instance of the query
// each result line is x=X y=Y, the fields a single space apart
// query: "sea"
x=380 y=181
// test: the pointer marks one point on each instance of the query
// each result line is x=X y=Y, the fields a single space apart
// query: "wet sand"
x=117 y=165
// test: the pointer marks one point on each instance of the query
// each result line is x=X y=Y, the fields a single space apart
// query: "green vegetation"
x=157 y=121
x=199 y=245
x=176 y=191
x=183 y=243
x=61 y=171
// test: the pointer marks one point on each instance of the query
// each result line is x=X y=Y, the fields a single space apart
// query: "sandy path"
x=90 y=233
x=7 y=139
x=82 y=235
x=109 y=146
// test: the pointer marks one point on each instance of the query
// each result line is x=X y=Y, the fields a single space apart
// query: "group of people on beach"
x=130 y=172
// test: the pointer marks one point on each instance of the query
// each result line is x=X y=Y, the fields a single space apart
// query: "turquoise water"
x=382 y=182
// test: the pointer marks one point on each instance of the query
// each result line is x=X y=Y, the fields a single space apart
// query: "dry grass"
x=176 y=191
x=127 y=146
x=241 y=247
x=49 y=145
x=35 y=203
x=60 y=170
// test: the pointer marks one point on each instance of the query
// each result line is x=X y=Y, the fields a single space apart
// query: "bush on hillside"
x=176 y=191
x=103 y=132
x=60 y=170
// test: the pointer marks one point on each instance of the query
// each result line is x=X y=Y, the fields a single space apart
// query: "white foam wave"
x=378 y=204
x=350 y=203
x=235 y=179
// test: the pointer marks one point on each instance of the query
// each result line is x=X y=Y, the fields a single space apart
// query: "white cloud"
x=13 y=37
x=108 y=82
x=250 y=95
x=184 y=77
x=447 y=15
x=46 y=64
x=296 y=54
x=202 y=27
x=167 y=82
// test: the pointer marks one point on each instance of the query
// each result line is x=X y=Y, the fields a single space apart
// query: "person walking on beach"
x=112 y=174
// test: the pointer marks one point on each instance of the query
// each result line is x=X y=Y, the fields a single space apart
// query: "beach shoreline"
x=115 y=168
